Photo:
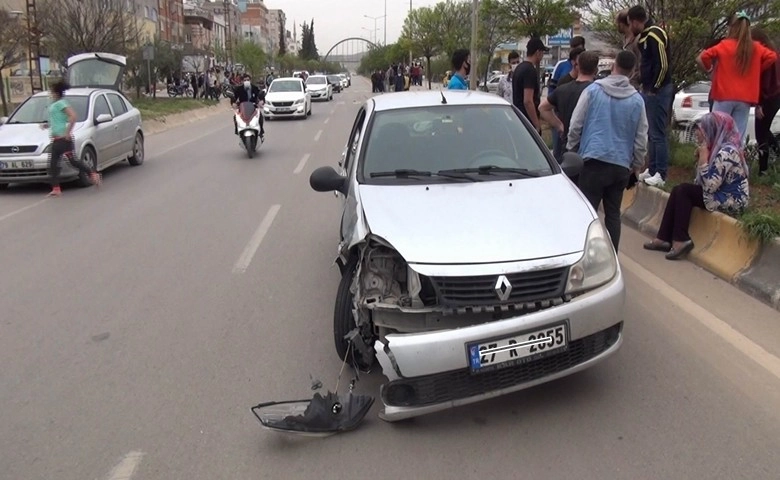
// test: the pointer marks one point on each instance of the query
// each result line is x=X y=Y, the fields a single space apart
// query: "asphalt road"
x=138 y=325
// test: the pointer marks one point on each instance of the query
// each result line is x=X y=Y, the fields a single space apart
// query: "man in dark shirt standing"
x=657 y=90
x=558 y=107
x=526 y=90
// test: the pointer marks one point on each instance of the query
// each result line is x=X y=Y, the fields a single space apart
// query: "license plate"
x=517 y=349
x=284 y=109
x=17 y=164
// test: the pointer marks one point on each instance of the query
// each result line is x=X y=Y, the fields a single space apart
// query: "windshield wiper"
x=491 y=169
x=411 y=173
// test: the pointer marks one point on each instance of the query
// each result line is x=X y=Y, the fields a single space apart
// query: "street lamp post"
x=376 y=29
x=411 y=25
x=385 y=42
x=474 y=54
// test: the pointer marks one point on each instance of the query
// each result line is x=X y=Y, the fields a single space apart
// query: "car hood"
x=485 y=222
x=23 y=134
x=284 y=96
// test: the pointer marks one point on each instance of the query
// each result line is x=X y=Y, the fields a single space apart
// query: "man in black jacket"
x=656 y=88
x=246 y=92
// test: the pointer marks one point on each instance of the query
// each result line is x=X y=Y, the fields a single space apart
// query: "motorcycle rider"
x=246 y=92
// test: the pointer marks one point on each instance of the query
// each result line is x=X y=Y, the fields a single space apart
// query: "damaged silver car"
x=472 y=265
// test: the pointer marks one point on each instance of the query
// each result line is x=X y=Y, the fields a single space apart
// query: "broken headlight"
x=598 y=264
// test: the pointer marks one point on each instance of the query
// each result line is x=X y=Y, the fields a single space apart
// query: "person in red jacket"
x=736 y=78
x=768 y=105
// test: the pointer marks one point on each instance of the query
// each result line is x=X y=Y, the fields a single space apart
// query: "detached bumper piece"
x=318 y=417
x=460 y=384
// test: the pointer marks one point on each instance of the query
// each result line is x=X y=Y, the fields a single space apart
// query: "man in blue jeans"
x=657 y=91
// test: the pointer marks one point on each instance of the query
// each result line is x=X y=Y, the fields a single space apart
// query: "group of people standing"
x=398 y=77
x=618 y=124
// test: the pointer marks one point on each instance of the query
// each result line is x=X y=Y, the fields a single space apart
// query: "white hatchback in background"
x=319 y=88
x=287 y=98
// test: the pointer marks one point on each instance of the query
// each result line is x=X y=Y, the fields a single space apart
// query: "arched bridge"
x=349 y=51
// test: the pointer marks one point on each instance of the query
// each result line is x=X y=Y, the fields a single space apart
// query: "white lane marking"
x=317 y=137
x=127 y=467
x=23 y=209
x=720 y=328
x=257 y=238
x=301 y=164
x=327 y=120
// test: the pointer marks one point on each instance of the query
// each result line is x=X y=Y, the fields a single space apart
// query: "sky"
x=337 y=20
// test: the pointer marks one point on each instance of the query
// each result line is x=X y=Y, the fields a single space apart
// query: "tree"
x=422 y=31
x=282 y=41
x=252 y=56
x=454 y=23
x=379 y=58
x=691 y=26
x=72 y=27
x=537 y=18
x=12 y=52
x=494 y=29
x=308 y=49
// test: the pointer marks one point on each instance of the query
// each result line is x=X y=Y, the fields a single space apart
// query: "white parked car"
x=108 y=128
x=492 y=84
x=319 y=88
x=286 y=98
x=471 y=265
x=691 y=103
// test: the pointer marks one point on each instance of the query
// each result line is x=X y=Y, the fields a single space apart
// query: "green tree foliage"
x=540 y=17
x=691 y=26
x=495 y=28
x=422 y=32
x=454 y=19
x=380 y=58
x=13 y=39
x=252 y=56
x=308 y=49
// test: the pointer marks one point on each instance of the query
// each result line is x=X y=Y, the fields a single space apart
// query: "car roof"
x=318 y=75
x=75 y=92
x=431 y=98
x=295 y=79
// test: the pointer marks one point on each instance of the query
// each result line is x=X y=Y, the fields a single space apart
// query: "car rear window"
x=285 y=86
x=450 y=137
x=36 y=109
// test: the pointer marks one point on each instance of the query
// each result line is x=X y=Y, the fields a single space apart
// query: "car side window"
x=101 y=106
x=117 y=105
x=354 y=139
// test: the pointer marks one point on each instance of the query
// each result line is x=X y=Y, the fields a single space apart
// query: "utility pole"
x=411 y=26
x=229 y=34
x=34 y=48
x=385 y=43
x=474 y=53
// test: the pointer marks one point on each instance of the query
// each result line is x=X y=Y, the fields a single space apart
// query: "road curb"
x=722 y=247
x=159 y=125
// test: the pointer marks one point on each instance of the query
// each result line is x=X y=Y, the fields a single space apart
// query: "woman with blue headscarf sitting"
x=721 y=184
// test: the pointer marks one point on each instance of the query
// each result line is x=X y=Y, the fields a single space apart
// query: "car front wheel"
x=137 y=157
x=89 y=158
x=344 y=321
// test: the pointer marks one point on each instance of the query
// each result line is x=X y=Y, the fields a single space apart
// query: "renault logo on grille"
x=14 y=149
x=503 y=288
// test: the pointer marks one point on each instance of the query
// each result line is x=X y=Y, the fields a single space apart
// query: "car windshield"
x=482 y=139
x=285 y=86
x=36 y=109
x=334 y=79
x=316 y=81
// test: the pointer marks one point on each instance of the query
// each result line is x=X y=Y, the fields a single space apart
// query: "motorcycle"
x=248 y=122
x=184 y=90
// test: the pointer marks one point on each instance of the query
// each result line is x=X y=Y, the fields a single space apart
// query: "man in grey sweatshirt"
x=609 y=131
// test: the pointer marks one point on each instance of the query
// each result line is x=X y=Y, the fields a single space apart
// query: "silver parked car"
x=472 y=265
x=108 y=128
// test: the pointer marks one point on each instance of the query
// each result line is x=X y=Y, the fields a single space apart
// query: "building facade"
x=171 y=21
x=277 y=21
x=198 y=29
x=254 y=23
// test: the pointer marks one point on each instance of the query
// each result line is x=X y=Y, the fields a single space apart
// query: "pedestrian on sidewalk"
x=768 y=105
x=721 y=184
x=62 y=118
x=526 y=89
x=557 y=109
x=505 y=84
x=736 y=80
x=609 y=131
x=561 y=71
x=657 y=90
x=461 y=67
x=630 y=43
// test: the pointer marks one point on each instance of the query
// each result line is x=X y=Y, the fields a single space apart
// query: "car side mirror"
x=103 y=118
x=3 y=120
x=572 y=164
x=326 y=179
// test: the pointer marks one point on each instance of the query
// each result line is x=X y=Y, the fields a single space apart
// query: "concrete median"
x=722 y=247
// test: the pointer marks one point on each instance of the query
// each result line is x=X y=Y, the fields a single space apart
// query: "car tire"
x=343 y=321
x=89 y=157
x=308 y=114
x=138 y=155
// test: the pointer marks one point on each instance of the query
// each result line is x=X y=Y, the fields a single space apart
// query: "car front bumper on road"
x=319 y=95
x=292 y=111
x=35 y=169
x=430 y=371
